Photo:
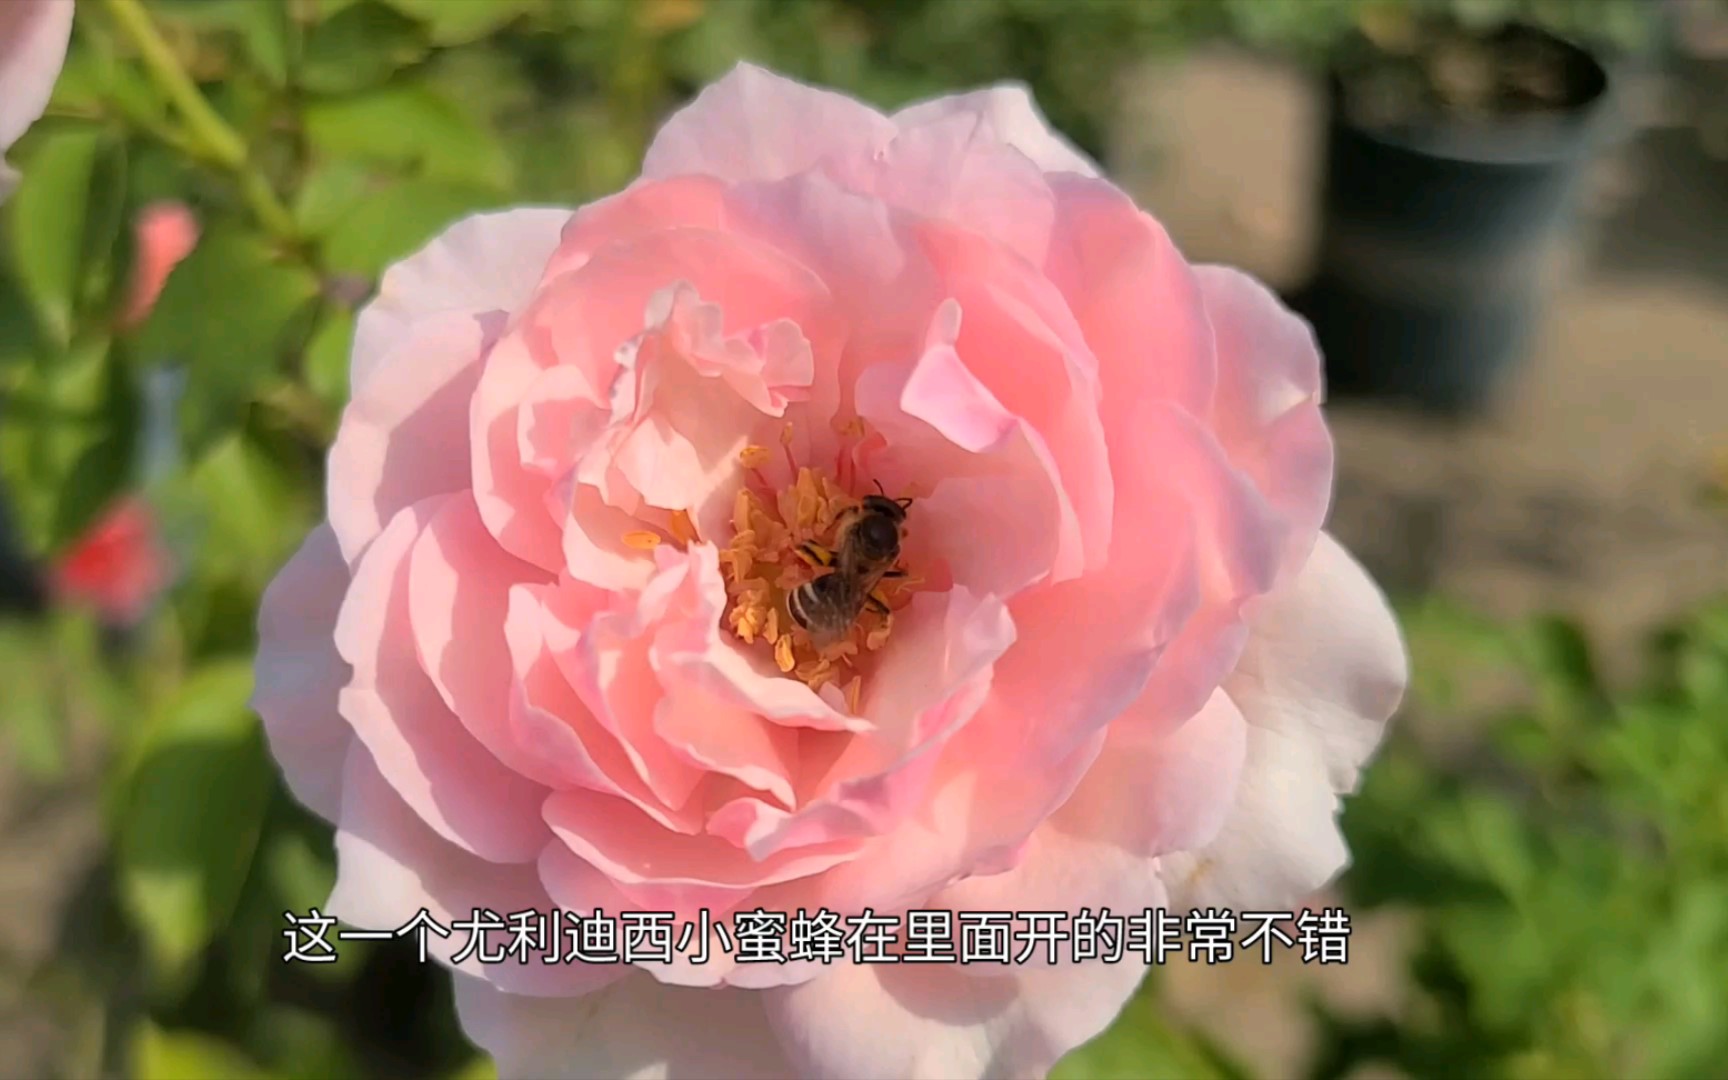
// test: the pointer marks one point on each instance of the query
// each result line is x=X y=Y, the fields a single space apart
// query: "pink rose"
x=164 y=234
x=33 y=39
x=541 y=654
x=117 y=568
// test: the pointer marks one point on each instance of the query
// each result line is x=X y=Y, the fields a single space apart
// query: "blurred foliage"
x=1573 y=914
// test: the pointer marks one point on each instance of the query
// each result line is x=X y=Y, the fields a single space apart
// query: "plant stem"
x=208 y=132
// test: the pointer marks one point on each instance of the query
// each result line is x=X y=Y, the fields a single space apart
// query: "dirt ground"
x=1580 y=494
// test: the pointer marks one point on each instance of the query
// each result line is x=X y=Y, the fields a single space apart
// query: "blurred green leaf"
x=186 y=1055
x=20 y=340
x=481 y=1068
x=330 y=190
x=1559 y=651
x=409 y=125
x=358 y=47
x=197 y=800
x=64 y=210
x=30 y=717
x=327 y=356
x=457 y=22
x=68 y=443
x=260 y=25
x=226 y=314
x=249 y=507
x=1141 y=1045
x=301 y=1045
x=386 y=225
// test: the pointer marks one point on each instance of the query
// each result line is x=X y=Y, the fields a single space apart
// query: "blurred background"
x=1515 y=250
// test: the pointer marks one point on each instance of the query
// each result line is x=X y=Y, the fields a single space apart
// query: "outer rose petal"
x=1008 y=114
x=1323 y=671
x=389 y=865
x=404 y=434
x=755 y=125
x=1267 y=407
x=484 y=263
x=33 y=39
x=635 y=1029
x=939 y=1022
x=299 y=673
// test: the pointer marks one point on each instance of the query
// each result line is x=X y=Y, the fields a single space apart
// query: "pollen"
x=682 y=528
x=754 y=457
x=764 y=562
x=642 y=540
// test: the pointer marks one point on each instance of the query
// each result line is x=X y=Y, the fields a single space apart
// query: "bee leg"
x=815 y=554
x=877 y=602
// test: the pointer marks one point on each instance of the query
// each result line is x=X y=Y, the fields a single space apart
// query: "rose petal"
x=1008 y=114
x=33 y=39
x=755 y=125
x=419 y=745
x=939 y=1022
x=624 y=1031
x=298 y=673
x=404 y=435
x=459 y=585
x=1267 y=409
x=484 y=263
x=1137 y=301
x=390 y=866
x=1324 y=670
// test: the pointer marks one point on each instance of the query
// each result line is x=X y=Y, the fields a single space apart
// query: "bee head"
x=878 y=535
x=881 y=506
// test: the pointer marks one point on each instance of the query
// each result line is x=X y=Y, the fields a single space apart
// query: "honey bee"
x=866 y=548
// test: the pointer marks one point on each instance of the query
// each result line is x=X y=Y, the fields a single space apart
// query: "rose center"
x=785 y=538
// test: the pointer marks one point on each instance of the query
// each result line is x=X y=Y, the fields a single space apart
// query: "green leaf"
x=243 y=509
x=1141 y=1046
x=226 y=314
x=411 y=126
x=64 y=209
x=69 y=441
x=330 y=190
x=458 y=22
x=303 y=1045
x=358 y=47
x=20 y=341
x=260 y=25
x=481 y=1068
x=195 y=806
x=386 y=225
x=29 y=714
x=328 y=355
x=186 y=1055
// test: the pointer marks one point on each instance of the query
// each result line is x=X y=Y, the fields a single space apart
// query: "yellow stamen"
x=642 y=540
x=754 y=457
x=683 y=529
x=854 y=691
x=763 y=563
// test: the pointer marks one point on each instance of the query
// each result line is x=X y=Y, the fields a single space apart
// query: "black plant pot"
x=1433 y=241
